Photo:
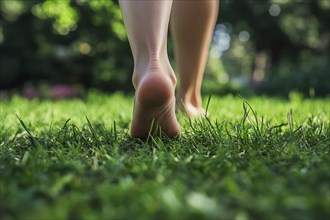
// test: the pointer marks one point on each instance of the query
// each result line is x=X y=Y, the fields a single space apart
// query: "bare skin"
x=153 y=78
x=154 y=107
x=192 y=36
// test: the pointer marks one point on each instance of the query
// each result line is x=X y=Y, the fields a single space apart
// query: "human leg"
x=153 y=78
x=192 y=24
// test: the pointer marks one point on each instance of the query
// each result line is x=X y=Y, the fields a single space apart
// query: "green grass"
x=266 y=158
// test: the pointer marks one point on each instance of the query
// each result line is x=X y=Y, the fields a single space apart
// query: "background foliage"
x=260 y=46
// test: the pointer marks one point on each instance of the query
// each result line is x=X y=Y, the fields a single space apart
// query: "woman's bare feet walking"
x=154 y=106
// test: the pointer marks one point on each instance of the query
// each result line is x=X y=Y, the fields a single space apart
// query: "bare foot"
x=154 y=107
x=192 y=109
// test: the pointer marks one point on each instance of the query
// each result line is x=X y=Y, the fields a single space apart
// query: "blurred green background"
x=66 y=47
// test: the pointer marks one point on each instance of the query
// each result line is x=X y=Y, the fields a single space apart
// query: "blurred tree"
x=285 y=35
x=64 y=41
x=277 y=45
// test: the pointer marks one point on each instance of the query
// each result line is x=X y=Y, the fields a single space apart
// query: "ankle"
x=152 y=67
x=197 y=101
x=189 y=98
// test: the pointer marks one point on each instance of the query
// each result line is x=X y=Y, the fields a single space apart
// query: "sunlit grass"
x=259 y=158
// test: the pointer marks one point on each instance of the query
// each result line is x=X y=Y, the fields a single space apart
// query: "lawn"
x=257 y=158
